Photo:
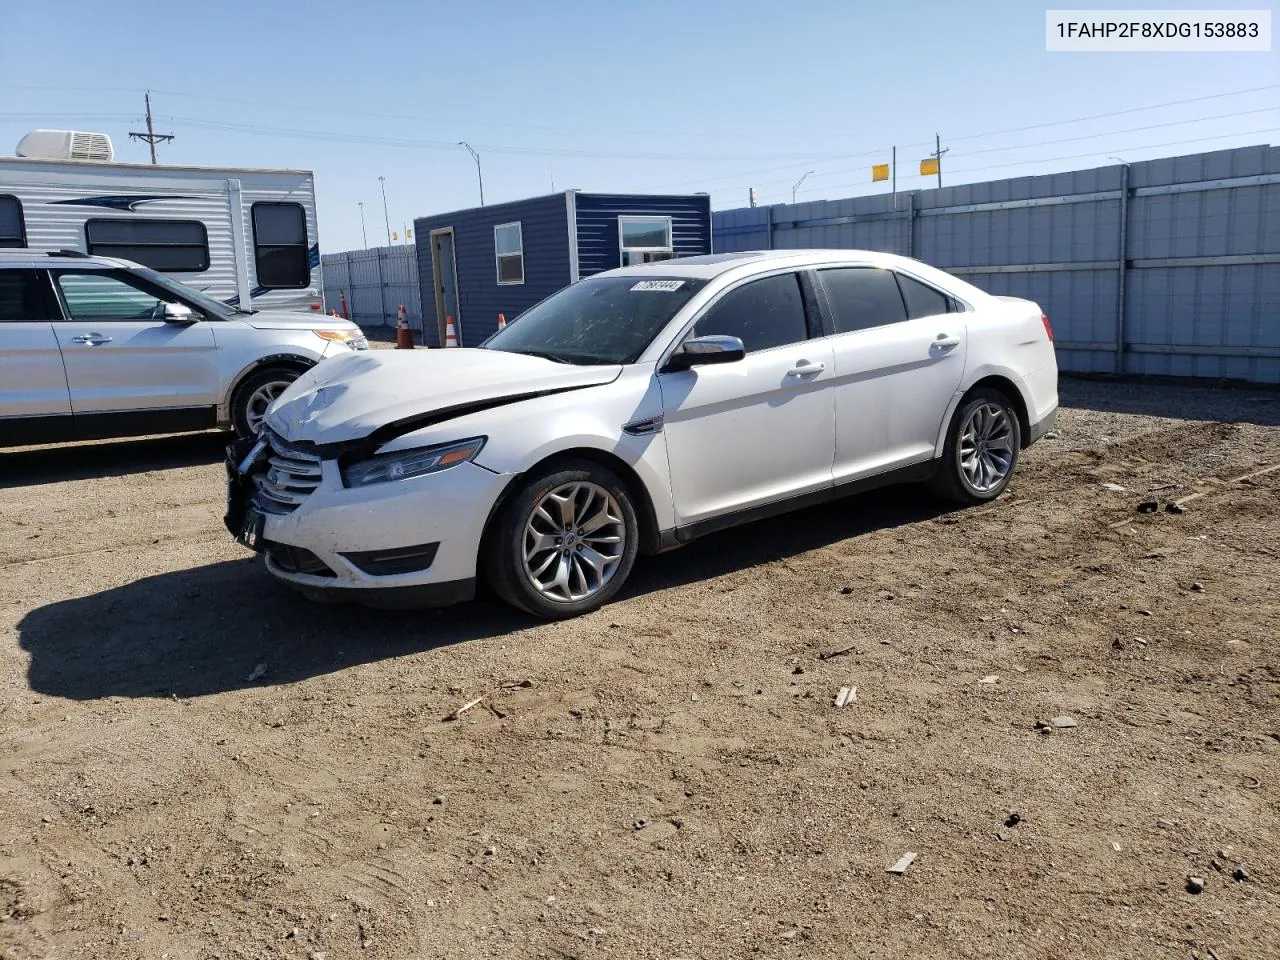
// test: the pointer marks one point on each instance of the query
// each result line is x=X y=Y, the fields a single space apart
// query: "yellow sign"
x=879 y=171
x=408 y=234
x=395 y=235
x=928 y=166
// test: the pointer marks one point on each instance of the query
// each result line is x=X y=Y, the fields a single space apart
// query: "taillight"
x=1044 y=318
x=316 y=306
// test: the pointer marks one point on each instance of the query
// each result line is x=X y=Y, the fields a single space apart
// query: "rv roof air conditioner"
x=65 y=145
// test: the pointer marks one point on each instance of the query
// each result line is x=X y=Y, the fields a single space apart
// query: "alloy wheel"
x=573 y=541
x=255 y=408
x=986 y=447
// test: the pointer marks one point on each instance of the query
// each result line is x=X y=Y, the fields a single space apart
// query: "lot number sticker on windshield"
x=663 y=285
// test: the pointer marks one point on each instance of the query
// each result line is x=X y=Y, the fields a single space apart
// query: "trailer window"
x=508 y=249
x=13 y=230
x=171 y=246
x=280 y=245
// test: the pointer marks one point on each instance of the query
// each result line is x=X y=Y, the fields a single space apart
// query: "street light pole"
x=479 y=176
x=363 y=235
x=386 y=216
x=796 y=186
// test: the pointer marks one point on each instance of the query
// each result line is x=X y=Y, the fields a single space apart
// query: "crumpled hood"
x=385 y=393
x=294 y=320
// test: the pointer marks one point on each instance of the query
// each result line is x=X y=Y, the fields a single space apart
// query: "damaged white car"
x=632 y=412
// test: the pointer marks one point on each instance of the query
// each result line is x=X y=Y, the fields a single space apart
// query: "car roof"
x=756 y=261
x=39 y=258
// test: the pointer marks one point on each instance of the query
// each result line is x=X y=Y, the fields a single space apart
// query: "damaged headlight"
x=410 y=463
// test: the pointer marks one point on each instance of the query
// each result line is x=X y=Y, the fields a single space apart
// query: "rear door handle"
x=95 y=339
x=945 y=340
x=804 y=368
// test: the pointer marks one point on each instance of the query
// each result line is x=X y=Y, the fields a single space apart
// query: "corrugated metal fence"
x=375 y=282
x=1168 y=266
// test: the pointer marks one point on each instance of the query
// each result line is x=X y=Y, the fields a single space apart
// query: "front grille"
x=290 y=476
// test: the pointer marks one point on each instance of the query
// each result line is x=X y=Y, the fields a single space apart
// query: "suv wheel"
x=255 y=394
x=565 y=542
x=981 y=452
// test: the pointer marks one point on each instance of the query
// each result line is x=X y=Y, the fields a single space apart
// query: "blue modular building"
x=475 y=264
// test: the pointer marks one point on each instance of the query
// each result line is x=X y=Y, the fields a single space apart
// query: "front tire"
x=255 y=394
x=563 y=544
x=981 y=451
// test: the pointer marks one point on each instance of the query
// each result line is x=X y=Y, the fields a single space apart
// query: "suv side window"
x=922 y=300
x=762 y=314
x=21 y=300
x=862 y=297
x=106 y=295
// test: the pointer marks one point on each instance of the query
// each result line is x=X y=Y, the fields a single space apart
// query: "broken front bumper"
x=403 y=543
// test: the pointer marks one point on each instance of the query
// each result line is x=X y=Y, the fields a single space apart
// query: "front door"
x=446 y=279
x=34 y=404
x=899 y=359
x=748 y=433
x=121 y=356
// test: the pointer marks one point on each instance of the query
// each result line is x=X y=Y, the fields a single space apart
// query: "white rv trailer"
x=245 y=236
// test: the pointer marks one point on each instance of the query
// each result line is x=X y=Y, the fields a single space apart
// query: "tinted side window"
x=862 y=297
x=762 y=314
x=20 y=299
x=172 y=246
x=13 y=231
x=922 y=301
x=106 y=296
x=280 y=245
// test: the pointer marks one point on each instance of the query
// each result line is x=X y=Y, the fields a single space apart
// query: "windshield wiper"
x=545 y=355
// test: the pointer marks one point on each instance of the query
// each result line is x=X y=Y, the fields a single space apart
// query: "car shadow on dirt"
x=28 y=467
x=205 y=630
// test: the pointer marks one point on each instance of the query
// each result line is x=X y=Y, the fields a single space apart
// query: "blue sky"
x=654 y=96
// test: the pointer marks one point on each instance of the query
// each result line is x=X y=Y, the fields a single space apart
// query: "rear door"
x=761 y=429
x=899 y=347
x=120 y=355
x=35 y=406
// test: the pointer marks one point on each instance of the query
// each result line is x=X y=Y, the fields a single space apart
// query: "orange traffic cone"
x=502 y=321
x=404 y=337
x=450 y=334
x=343 y=294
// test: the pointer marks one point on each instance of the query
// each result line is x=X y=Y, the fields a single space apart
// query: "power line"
x=322 y=136
x=1037 y=126
x=1046 y=143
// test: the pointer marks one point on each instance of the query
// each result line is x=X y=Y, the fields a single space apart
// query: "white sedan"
x=632 y=412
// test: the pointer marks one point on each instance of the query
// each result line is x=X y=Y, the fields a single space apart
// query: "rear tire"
x=254 y=395
x=981 y=452
x=564 y=543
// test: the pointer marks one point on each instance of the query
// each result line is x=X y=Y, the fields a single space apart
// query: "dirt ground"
x=195 y=763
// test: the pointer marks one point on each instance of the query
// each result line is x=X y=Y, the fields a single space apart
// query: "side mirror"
x=177 y=313
x=701 y=351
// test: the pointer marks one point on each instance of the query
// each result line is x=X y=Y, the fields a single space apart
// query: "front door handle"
x=946 y=340
x=805 y=368
x=95 y=339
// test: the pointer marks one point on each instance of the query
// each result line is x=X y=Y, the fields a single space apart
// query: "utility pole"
x=938 y=152
x=151 y=136
x=476 y=157
x=363 y=236
x=386 y=216
x=893 y=171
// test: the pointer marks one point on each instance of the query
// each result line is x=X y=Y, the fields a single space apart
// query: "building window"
x=13 y=230
x=280 y=245
x=170 y=246
x=645 y=239
x=508 y=249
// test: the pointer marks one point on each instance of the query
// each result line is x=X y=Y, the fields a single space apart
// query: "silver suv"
x=93 y=347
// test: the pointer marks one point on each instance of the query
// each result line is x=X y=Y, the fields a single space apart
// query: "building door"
x=445 y=270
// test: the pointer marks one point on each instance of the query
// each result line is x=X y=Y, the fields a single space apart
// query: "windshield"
x=599 y=320
x=197 y=299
